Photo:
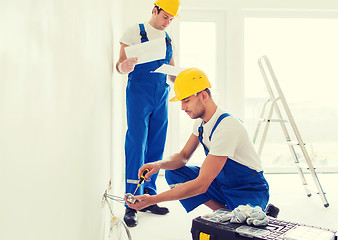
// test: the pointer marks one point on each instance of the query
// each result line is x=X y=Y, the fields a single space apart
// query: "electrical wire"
x=116 y=221
x=115 y=198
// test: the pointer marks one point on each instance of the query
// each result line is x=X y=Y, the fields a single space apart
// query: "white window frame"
x=219 y=17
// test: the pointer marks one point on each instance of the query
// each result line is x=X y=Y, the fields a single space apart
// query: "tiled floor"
x=286 y=192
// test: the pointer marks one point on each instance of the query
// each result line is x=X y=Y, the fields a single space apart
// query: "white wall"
x=119 y=123
x=55 y=117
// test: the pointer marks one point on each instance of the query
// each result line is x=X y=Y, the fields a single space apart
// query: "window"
x=198 y=46
x=303 y=53
x=198 y=41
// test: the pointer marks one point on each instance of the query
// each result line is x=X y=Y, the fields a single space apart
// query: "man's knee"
x=181 y=175
x=173 y=178
x=169 y=176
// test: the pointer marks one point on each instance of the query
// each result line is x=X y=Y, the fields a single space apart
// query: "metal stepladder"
x=276 y=102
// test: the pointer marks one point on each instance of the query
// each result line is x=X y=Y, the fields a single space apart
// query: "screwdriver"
x=141 y=179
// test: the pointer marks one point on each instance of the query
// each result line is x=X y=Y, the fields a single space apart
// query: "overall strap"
x=167 y=39
x=200 y=131
x=200 y=137
x=224 y=115
x=143 y=33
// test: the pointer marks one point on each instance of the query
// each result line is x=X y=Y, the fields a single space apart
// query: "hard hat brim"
x=174 y=99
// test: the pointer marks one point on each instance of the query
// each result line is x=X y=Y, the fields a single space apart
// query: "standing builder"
x=231 y=173
x=147 y=103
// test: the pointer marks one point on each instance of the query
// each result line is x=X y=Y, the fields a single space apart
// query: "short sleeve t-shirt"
x=132 y=35
x=230 y=139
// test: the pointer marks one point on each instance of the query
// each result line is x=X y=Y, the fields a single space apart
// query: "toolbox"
x=208 y=228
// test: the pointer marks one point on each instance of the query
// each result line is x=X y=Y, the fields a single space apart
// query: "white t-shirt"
x=132 y=35
x=230 y=139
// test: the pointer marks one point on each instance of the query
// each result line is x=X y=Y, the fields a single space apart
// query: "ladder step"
x=304 y=166
x=273 y=120
x=294 y=143
x=312 y=190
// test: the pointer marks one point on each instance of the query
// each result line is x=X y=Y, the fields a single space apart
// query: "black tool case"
x=205 y=229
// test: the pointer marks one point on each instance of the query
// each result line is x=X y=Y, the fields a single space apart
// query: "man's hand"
x=153 y=169
x=142 y=201
x=127 y=65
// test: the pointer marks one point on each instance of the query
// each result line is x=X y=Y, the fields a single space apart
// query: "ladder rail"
x=272 y=95
x=261 y=116
x=285 y=105
x=264 y=60
x=265 y=132
x=268 y=120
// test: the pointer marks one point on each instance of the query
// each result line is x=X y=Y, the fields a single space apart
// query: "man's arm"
x=124 y=64
x=180 y=159
x=210 y=168
x=176 y=161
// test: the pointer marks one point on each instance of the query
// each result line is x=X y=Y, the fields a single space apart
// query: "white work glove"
x=257 y=218
x=246 y=213
x=127 y=65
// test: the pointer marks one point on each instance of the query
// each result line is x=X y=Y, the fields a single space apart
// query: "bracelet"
x=119 y=68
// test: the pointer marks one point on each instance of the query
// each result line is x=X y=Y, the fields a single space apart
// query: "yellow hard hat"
x=170 y=6
x=188 y=82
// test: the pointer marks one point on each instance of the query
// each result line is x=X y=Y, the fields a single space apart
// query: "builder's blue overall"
x=147 y=117
x=235 y=185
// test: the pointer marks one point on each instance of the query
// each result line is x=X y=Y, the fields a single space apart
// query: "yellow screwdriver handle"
x=141 y=179
x=143 y=175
